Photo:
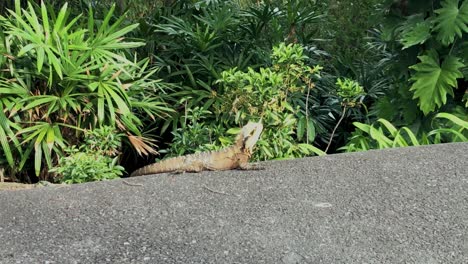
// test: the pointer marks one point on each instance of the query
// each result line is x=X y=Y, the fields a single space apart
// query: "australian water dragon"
x=233 y=157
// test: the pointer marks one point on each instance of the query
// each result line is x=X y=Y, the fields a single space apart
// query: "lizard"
x=233 y=157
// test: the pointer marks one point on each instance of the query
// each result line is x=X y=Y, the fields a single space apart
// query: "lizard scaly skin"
x=233 y=157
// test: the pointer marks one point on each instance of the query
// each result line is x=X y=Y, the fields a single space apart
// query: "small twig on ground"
x=132 y=184
x=213 y=191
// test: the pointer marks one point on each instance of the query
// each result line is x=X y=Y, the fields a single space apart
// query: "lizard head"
x=249 y=135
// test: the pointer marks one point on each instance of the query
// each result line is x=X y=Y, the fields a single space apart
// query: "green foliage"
x=433 y=81
x=63 y=75
x=69 y=75
x=197 y=135
x=79 y=167
x=451 y=21
x=104 y=141
x=271 y=94
x=193 y=42
x=421 y=38
x=415 y=31
x=268 y=94
x=385 y=135
x=198 y=40
x=343 y=32
x=349 y=90
x=351 y=95
x=95 y=160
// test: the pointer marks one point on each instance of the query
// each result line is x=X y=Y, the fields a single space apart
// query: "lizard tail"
x=168 y=165
x=140 y=171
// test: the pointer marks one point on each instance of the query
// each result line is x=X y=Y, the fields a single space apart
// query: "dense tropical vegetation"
x=91 y=89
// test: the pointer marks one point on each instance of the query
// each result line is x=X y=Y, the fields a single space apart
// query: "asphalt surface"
x=406 y=205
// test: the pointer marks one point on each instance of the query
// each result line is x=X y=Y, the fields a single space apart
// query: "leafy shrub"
x=272 y=94
x=269 y=94
x=385 y=135
x=349 y=91
x=198 y=40
x=59 y=78
x=104 y=141
x=95 y=160
x=345 y=41
x=79 y=167
x=194 y=42
x=196 y=134
x=351 y=95
x=426 y=46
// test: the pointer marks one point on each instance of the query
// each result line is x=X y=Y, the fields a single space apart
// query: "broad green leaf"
x=120 y=33
x=313 y=149
x=382 y=140
x=101 y=106
x=111 y=108
x=6 y=147
x=233 y=131
x=265 y=150
x=12 y=89
x=105 y=22
x=363 y=127
x=301 y=126
x=41 y=135
x=92 y=86
x=60 y=21
x=55 y=64
x=37 y=159
x=45 y=20
x=8 y=136
x=121 y=103
x=40 y=58
x=58 y=135
x=399 y=141
x=26 y=156
x=47 y=154
x=457 y=136
x=424 y=139
x=91 y=22
x=18 y=7
x=311 y=131
x=26 y=27
x=415 y=31
x=26 y=49
x=465 y=98
x=39 y=101
x=70 y=24
x=393 y=131
x=432 y=81
x=121 y=45
x=289 y=121
x=454 y=119
x=50 y=138
x=411 y=135
x=33 y=20
x=451 y=21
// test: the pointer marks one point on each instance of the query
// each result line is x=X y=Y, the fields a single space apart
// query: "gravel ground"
x=407 y=205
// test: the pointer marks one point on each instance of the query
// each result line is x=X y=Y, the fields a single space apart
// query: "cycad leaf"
x=415 y=31
x=451 y=21
x=432 y=81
